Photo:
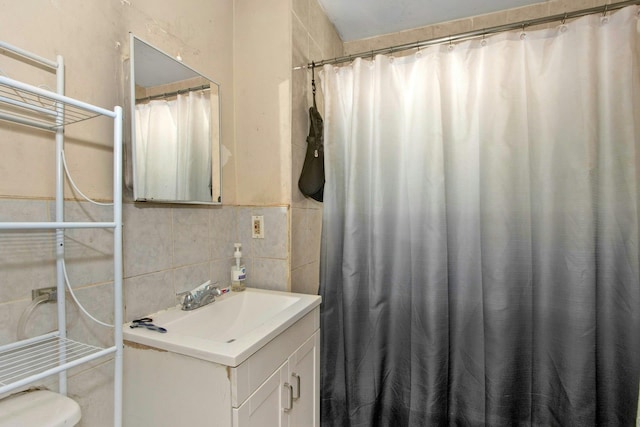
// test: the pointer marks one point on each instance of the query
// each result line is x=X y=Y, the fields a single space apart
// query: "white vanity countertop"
x=228 y=330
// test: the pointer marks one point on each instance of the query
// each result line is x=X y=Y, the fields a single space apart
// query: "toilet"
x=39 y=408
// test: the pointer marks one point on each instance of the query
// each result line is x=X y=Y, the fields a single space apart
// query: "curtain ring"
x=483 y=42
x=563 y=26
x=605 y=19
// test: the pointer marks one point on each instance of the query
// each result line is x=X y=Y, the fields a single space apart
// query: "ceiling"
x=358 y=19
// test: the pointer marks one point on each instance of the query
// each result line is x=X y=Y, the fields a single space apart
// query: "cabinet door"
x=269 y=405
x=304 y=377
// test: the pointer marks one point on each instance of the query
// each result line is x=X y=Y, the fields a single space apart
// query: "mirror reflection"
x=175 y=129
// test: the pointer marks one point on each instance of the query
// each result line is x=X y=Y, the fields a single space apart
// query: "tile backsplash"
x=167 y=249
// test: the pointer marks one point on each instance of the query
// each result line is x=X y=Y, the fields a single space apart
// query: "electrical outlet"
x=51 y=293
x=257 y=228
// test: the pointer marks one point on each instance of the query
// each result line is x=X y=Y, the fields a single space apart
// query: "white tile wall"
x=26 y=258
x=148 y=239
x=191 y=244
x=88 y=252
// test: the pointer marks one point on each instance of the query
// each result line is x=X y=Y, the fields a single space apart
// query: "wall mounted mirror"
x=175 y=129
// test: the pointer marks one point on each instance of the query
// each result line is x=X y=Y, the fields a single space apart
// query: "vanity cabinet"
x=289 y=397
x=278 y=385
x=269 y=405
x=304 y=378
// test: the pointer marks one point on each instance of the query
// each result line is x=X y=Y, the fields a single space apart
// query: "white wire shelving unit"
x=28 y=361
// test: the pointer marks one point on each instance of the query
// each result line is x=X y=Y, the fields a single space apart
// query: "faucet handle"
x=188 y=300
x=200 y=296
x=180 y=296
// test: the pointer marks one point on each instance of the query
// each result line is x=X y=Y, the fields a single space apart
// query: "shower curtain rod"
x=476 y=33
x=177 y=92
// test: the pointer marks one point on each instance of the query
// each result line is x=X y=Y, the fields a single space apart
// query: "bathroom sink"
x=235 y=315
x=228 y=330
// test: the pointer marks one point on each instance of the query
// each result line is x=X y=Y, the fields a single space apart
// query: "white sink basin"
x=228 y=330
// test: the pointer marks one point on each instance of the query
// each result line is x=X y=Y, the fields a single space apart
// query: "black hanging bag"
x=311 y=182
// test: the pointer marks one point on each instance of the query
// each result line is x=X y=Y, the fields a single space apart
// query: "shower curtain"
x=480 y=259
x=173 y=139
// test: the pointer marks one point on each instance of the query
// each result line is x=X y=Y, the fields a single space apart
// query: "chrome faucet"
x=200 y=296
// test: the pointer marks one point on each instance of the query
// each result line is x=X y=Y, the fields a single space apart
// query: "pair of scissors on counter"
x=145 y=322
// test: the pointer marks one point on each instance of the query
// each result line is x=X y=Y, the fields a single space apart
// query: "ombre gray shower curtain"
x=480 y=256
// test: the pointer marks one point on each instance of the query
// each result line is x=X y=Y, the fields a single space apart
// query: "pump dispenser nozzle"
x=237 y=253
x=238 y=271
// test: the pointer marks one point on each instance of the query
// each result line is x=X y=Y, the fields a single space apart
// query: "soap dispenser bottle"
x=238 y=270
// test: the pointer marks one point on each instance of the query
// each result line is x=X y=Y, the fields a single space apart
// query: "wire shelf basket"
x=30 y=360
x=40 y=108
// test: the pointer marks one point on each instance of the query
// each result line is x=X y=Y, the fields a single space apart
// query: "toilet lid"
x=39 y=408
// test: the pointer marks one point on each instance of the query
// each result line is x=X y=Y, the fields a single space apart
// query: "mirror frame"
x=133 y=39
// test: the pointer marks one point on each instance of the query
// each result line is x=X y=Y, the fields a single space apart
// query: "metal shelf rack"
x=44 y=356
x=27 y=361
